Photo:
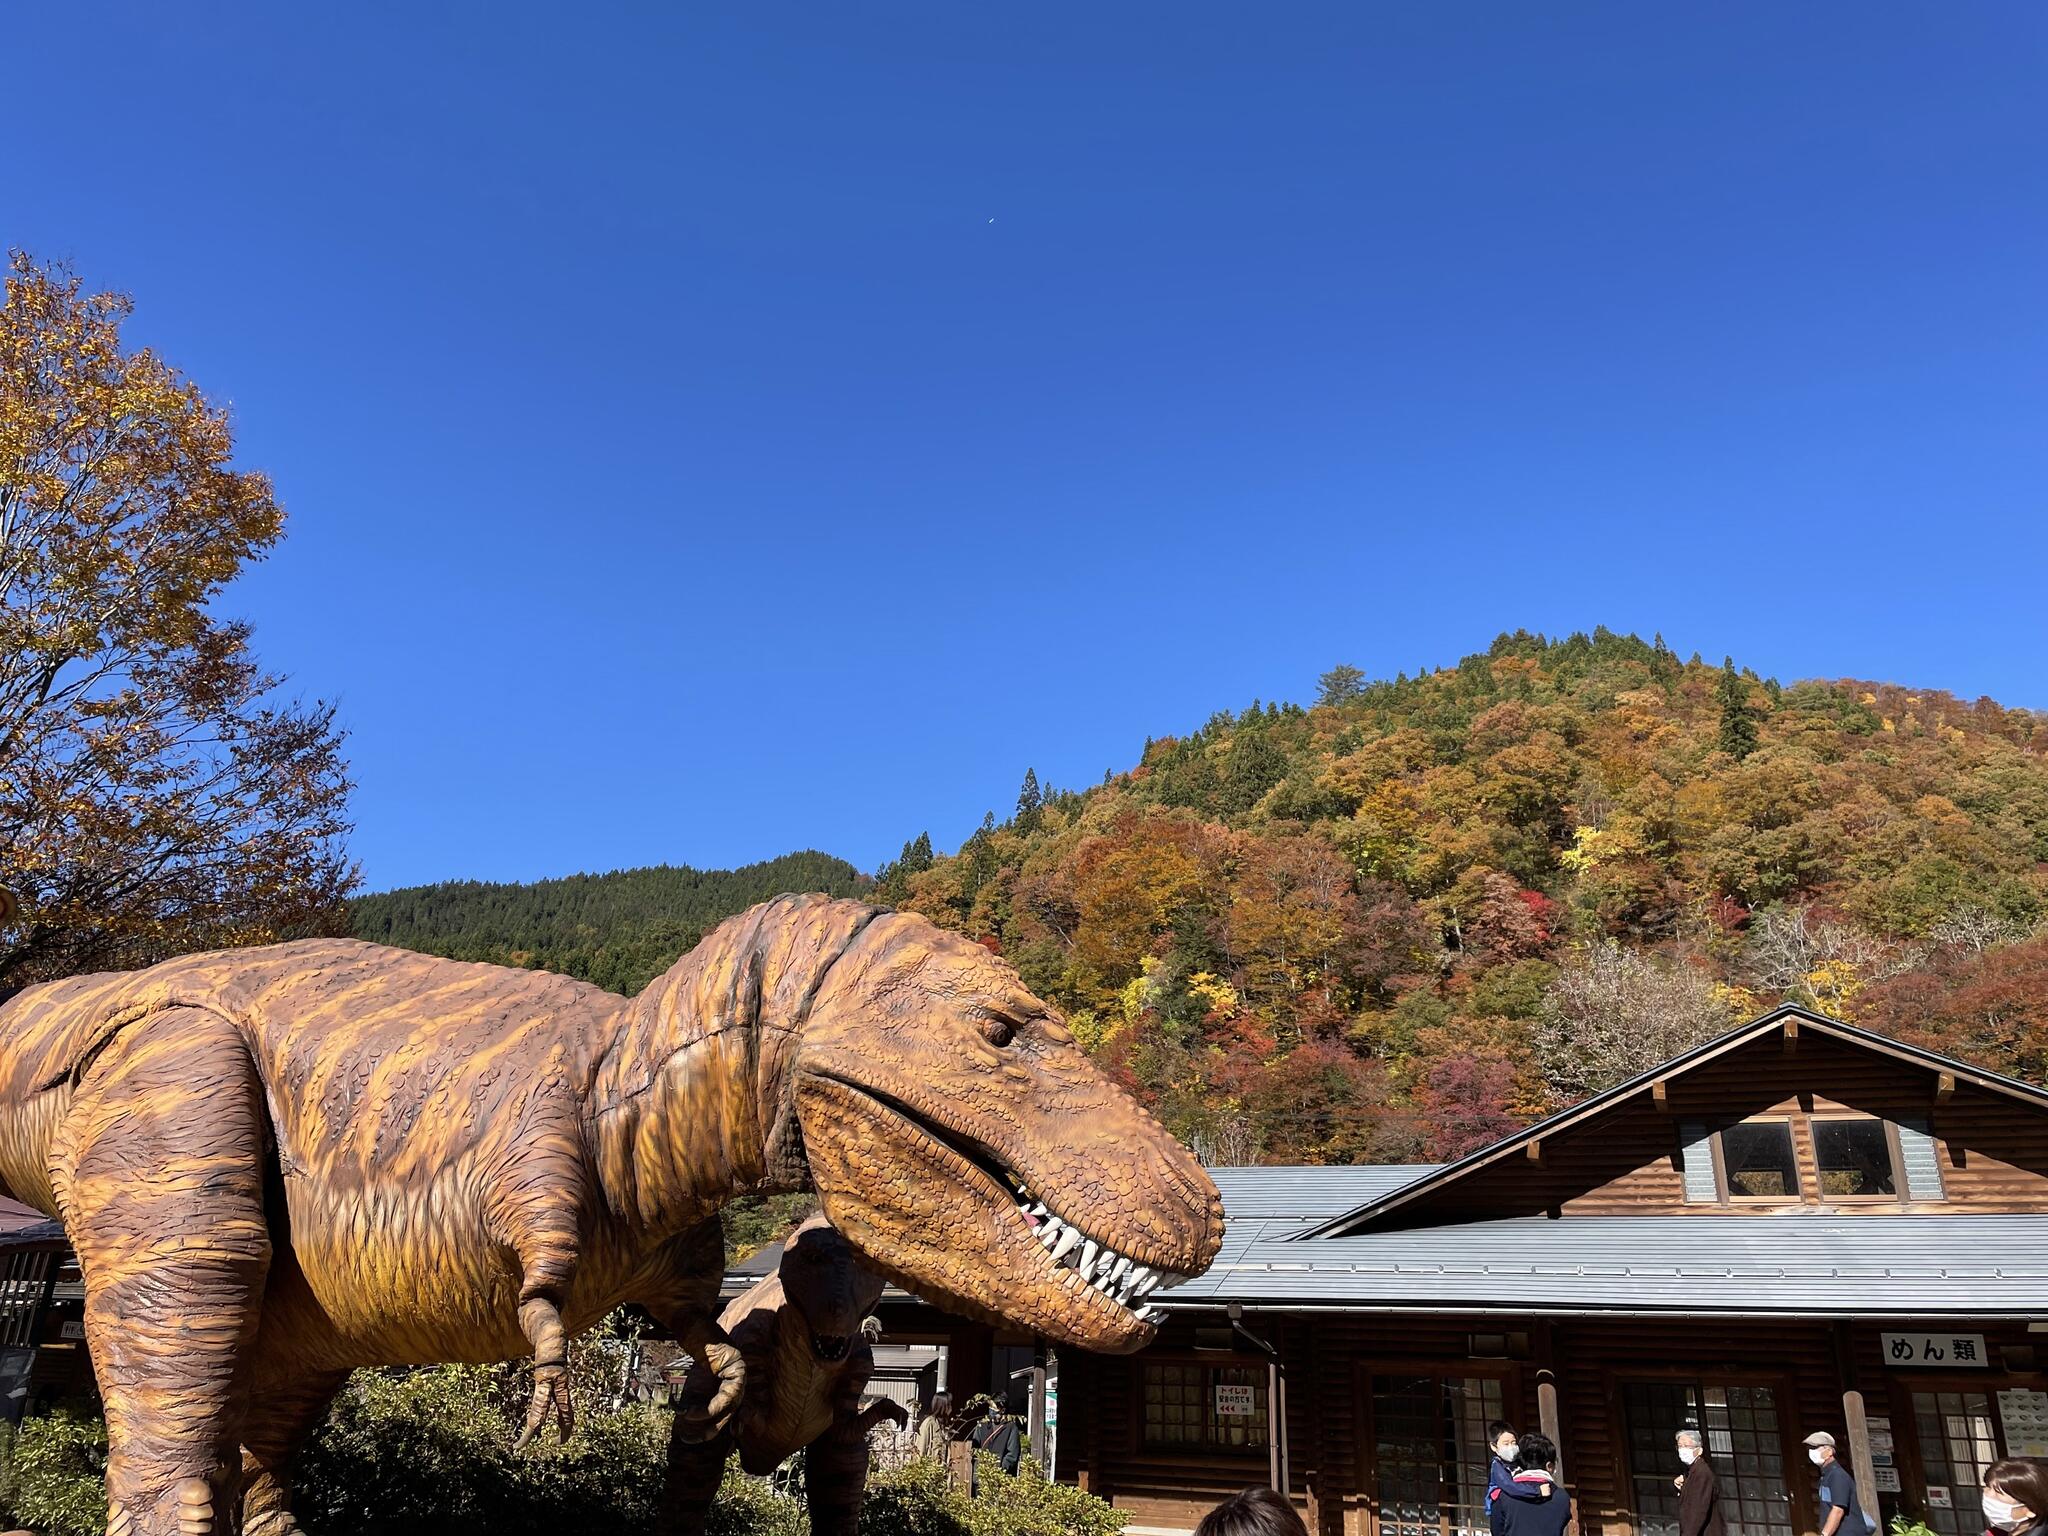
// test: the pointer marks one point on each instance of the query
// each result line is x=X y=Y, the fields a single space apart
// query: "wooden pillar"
x=1547 y=1415
x=1856 y=1421
x=1861 y=1467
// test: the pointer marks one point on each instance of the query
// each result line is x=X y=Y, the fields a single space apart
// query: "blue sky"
x=711 y=431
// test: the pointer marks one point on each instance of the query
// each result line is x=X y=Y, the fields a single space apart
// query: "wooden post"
x=960 y=1465
x=1861 y=1467
x=1547 y=1415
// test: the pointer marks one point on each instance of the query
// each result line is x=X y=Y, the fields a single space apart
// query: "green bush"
x=747 y=1506
x=431 y=1451
x=916 y=1500
x=56 y=1481
x=1029 y=1504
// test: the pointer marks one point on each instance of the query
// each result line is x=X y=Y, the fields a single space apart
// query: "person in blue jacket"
x=1500 y=1444
x=1534 y=1503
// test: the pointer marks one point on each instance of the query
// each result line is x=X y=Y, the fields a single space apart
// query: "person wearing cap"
x=1841 y=1514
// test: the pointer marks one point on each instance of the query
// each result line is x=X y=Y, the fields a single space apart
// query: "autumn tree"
x=1615 y=1012
x=155 y=793
x=1738 y=720
x=1988 y=1005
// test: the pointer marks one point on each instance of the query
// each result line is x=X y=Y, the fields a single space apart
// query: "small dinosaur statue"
x=806 y=1334
x=281 y=1163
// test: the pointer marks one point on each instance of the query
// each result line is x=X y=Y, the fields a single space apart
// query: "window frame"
x=1209 y=1363
x=1892 y=1151
x=1514 y=1402
x=1729 y=1194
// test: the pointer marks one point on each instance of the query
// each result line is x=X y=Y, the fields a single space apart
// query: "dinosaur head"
x=971 y=1152
x=829 y=1286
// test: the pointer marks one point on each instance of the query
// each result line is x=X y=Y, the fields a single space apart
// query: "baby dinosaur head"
x=971 y=1152
x=829 y=1287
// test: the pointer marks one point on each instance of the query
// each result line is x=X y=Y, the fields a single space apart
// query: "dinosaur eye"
x=998 y=1031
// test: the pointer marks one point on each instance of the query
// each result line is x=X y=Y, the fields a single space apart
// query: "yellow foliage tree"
x=155 y=794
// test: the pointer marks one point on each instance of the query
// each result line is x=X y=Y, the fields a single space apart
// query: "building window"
x=1757 y=1161
x=1958 y=1443
x=1205 y=1407
x=1429 y=1453
x=1743 y=1438
x=1855 y=1159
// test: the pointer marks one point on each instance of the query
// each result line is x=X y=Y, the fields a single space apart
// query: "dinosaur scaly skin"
x=279 y=1164
x=804 y=1334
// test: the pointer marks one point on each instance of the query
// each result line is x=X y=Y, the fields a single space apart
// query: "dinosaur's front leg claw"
x=550 y=1400
x=698 y=1425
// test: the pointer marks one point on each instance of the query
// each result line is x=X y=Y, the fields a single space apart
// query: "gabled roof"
x=1600 y=1103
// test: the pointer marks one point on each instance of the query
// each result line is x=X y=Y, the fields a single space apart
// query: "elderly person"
x=1843 y=1513
x=1699 y=1491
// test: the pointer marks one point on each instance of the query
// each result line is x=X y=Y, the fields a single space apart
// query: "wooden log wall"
x=1330 y=1360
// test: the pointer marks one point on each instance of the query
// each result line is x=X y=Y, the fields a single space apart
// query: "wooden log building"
x=1798 y=1226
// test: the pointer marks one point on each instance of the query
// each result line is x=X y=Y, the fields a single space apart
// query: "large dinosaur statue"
x=802 y=1332
x=278 y=1164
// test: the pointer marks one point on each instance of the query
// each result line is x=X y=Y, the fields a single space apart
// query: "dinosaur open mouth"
x=1068 y=1249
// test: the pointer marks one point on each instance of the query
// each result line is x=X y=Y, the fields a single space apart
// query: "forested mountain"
x=1403 y=920
x=619 y=930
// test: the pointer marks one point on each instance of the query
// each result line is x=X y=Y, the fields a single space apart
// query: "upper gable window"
x=1854 y=1156
x=1757 y=1161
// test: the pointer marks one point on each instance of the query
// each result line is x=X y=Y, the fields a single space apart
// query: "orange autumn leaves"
x=155 y=794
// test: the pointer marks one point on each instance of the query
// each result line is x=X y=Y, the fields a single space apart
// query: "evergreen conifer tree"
x=1738 y=720
x=1029 y=802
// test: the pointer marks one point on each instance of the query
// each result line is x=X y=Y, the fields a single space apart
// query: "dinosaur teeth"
x=1152 y=1315
x=1090 y=1252
x=1069 y=1240
x=1050 y=1232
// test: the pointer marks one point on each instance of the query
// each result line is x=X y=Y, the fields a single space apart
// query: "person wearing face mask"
x=1699 y=1491
x=1841 y=1514
x=1500 y=1476
x=2015 y=1495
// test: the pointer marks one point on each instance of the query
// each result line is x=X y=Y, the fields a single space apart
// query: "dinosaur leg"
x=281 y=1418
x=159 y=1168
x=536 y=1208
x=689 y=1310
x=695 y=1469
x=836 y=1475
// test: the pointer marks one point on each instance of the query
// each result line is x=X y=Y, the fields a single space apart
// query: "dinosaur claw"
x=710 y=1421
x=550 y=1401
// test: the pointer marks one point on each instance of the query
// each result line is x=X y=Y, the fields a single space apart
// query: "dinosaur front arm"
x=882 y=1409
x=708 y=1344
